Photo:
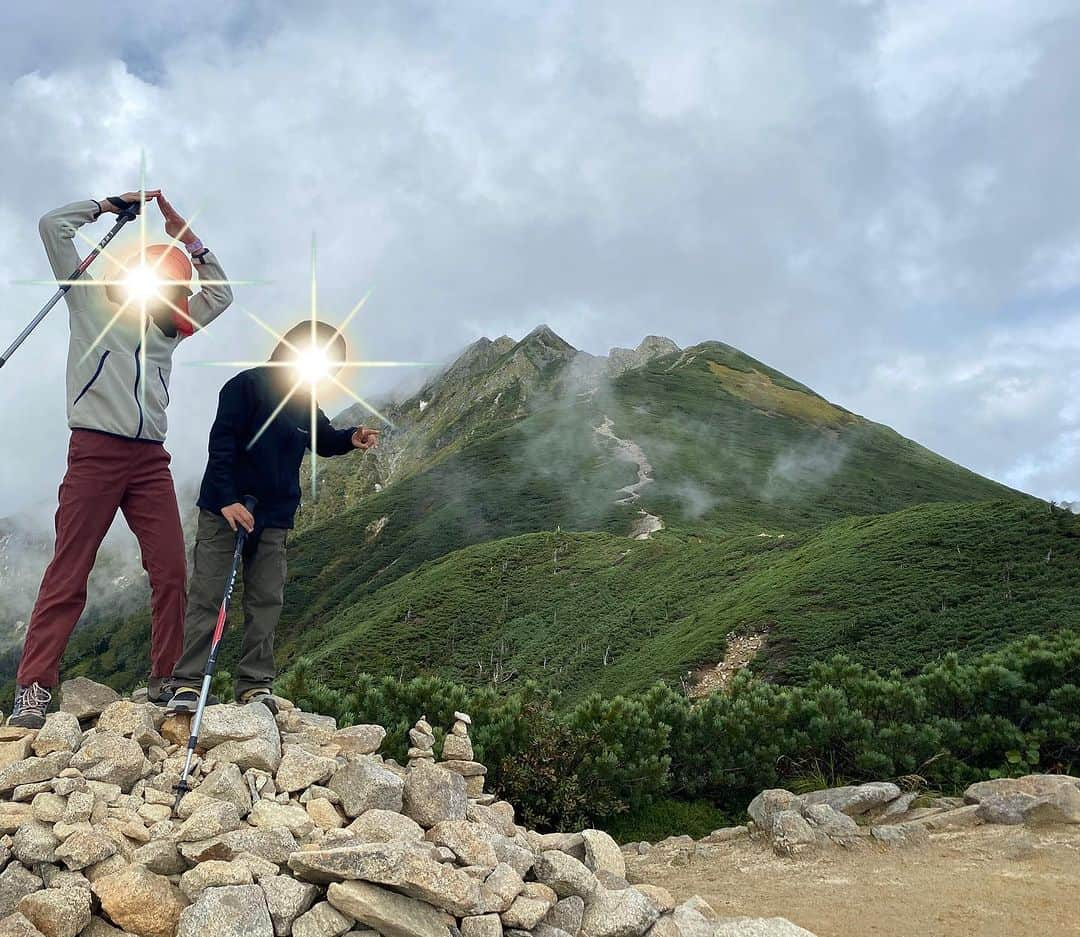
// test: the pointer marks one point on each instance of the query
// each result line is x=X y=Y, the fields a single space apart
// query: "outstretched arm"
x=331 y=442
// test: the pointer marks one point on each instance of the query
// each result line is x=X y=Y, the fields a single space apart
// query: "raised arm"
x=57 y=229
x=214 y=296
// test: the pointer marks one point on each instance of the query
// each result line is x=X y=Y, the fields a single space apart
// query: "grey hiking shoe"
x=185 y=699
x=260 y=695
x=31 y=704
x=159 y=690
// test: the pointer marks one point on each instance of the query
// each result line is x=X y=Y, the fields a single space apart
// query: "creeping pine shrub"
x=1006 y=713
x=627 y=751
x=547 y=781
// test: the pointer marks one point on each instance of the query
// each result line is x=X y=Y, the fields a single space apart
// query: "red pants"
x=105 y=474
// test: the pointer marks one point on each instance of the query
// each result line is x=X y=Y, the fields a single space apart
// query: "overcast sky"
x=879 y=199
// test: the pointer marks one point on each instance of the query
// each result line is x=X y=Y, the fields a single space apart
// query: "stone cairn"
x=295 y=826
x=422 y=739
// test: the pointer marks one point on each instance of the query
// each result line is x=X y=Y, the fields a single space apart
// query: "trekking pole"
x=127 y=214
x=183 y=786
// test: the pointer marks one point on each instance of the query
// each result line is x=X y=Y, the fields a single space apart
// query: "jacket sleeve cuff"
x=228 y=496
x=90 y=209
x=347 y=440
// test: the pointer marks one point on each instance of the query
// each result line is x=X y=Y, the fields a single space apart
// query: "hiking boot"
x=31 y=703
x=185 y=699
x=260 y=695
x=159 y=690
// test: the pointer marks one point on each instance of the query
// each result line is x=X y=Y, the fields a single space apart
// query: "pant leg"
x=149 y=505
x=211 y=561
x=89 y=497
x=264 y=593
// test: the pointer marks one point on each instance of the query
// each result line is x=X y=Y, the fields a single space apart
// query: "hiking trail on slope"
x=630 y=451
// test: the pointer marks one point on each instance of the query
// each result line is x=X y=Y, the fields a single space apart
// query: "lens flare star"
x=313 y=364
x=143 y=284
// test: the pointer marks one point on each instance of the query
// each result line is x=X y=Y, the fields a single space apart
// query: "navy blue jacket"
x=269 y=467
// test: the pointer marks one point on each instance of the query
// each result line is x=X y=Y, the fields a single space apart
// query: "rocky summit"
x=294 y=826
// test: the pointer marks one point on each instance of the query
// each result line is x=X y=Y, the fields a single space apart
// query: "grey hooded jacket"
x=118 y=369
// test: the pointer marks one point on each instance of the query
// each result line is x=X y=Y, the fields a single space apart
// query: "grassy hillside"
x=594 y=611
x=718 y=464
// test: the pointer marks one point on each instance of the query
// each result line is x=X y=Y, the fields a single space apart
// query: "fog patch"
x=695 y=500
x=808 y=465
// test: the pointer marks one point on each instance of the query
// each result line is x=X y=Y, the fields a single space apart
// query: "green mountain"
x=601 y=522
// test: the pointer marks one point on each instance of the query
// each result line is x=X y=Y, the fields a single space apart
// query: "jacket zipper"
x=97 y=374
x=161 y=377
x=138 y=377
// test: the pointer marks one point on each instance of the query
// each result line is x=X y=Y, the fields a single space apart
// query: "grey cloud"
x=834 y=190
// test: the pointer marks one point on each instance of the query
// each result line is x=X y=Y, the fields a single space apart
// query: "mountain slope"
x=742 y=469
x=594 y=611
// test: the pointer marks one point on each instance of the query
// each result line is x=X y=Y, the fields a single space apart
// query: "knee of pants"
x=169 y=580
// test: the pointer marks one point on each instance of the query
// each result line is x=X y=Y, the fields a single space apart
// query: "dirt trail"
x=993 y=881
x=741 y=649
x=632 y=452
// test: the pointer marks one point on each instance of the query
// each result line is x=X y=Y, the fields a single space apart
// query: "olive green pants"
x=264 y=590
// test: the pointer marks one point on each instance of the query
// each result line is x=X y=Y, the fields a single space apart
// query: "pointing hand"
x=365 y=438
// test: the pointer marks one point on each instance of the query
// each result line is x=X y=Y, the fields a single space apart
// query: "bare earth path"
x=632 y=452
x=992 y=881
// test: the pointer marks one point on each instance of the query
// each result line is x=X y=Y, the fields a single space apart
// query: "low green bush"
x=622 y=762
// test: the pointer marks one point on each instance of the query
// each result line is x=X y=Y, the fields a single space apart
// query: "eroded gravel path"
x=630 y=451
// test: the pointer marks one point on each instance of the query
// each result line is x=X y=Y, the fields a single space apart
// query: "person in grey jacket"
x=118 y=369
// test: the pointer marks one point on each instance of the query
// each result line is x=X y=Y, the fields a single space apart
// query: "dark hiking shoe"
x=159 y=690
x=185 y=699
x=31 y=703
x=260 y=695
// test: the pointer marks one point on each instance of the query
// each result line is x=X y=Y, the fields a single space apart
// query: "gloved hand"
x=128 y=202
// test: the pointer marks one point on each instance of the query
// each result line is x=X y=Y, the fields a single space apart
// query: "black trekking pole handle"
x=128 y=213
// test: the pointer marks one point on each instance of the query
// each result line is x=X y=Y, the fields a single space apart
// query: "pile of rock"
x=294 y=826
x=457 y=756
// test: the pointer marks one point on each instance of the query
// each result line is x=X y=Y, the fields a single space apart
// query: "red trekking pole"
x=183 y=786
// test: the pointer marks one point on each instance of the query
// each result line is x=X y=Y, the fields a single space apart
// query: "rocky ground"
x=1000 y=862
x=295 y=826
